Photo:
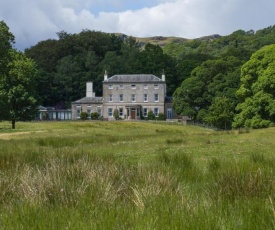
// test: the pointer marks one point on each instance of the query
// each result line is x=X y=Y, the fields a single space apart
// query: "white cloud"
x=35 y=20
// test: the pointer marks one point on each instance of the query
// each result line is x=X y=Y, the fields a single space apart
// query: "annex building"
x=133 y=95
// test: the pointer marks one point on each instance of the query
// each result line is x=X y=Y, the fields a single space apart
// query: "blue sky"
x=32 y=21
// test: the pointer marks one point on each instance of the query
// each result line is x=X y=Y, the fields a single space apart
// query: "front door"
x=169 y=114
x=133 y=114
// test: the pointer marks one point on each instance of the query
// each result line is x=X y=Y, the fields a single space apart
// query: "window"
x=110 y=87
x=145 y=96
x=120 y=97
x=145 y=112
x=133 y=98
x=156 y=86
x=133 y=86
x=121 y=86
x=156 y=112
x=110 y=112
x=145 y=86
x=156 y=96
x=89 y=109
x=78 y=111
x=99 y=110
x=120 y=111
x=110 y=97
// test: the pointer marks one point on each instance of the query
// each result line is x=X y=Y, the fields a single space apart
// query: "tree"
x=6 y=41
x=220 y=113
x=17 y=93
x=153 y=60
x=257 y=90
x=213 y=78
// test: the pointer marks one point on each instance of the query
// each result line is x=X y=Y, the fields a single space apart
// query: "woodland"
x=224 y=81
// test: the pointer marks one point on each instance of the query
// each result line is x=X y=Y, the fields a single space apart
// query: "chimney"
x=163 y=75
x=105 y=76
x=89 y=89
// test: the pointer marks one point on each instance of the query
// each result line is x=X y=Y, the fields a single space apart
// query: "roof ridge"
x=134 y=78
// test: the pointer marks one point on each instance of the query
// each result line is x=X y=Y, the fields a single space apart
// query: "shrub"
x=161 y=117
x=151 y=115
x=116 y=115
x=45 y=116
x=83 y=115
x=95 y=116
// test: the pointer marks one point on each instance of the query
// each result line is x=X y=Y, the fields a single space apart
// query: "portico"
x=133 y=112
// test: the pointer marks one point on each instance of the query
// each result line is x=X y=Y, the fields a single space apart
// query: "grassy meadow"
x=135 y=175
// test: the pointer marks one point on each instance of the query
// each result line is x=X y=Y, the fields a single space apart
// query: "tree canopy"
x=17 y=82
x=257 y=90
x=213 y=78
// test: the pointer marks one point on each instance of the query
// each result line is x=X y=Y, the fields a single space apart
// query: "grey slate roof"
x=128 y=78
x=88 y=100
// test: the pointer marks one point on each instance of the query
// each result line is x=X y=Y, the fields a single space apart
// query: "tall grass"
x=114 y=175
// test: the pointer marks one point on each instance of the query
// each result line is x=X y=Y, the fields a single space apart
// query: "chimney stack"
x=89 y=89
x=105 y=76
x=163 y=75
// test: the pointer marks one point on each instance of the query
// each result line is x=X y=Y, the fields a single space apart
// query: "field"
x=135 y=175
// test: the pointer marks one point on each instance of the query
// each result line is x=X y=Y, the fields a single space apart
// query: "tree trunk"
x=13 y=124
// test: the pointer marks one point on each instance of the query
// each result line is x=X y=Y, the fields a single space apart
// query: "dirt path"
x=8 y=136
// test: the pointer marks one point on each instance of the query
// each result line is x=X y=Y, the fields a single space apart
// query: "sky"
x=32 y=21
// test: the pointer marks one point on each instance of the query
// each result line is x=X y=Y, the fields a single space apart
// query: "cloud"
x=34 y=20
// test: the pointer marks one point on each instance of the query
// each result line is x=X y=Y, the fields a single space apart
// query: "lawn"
x=135 y=175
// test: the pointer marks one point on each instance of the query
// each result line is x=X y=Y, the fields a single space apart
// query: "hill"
x=164 y=41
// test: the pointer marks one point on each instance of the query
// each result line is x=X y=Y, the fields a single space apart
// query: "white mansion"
x=133 y=95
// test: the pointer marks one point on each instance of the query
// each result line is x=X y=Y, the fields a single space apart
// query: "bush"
x=94 y=116
x=45 y=116
x=116 y=115
x=161 y=117
x=83 y=115
x=151 y=115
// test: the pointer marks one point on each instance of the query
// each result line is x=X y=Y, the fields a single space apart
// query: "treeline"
x=235 y=86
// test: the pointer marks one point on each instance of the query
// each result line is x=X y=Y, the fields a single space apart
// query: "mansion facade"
x=133 y=95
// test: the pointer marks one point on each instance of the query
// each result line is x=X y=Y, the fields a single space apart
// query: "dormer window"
x=133 y=86
x=110 y=87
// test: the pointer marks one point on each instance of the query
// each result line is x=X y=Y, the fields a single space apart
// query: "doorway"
x=133 y=114
x=169 y=114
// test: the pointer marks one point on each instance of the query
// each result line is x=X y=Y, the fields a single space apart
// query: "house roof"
x=168 y=99
x=87 y=100
x=129 y=78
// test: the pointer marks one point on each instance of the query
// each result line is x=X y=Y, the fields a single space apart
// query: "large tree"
x=257 y=91
x=213 y=78
x=220 y=113
x=6 y=42
x=17 y=93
